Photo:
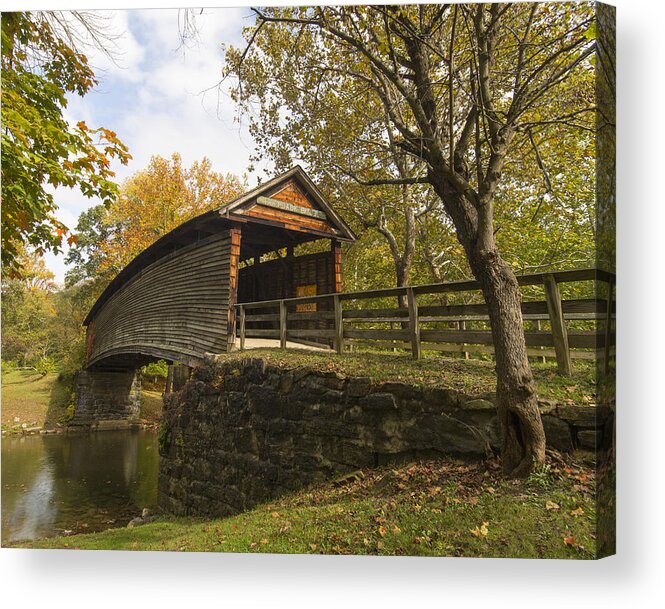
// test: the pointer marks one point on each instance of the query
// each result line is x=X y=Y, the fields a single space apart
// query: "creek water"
x=65 y=484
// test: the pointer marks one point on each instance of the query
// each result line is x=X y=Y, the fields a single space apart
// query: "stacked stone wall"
x=244 y=432
x=107 y=398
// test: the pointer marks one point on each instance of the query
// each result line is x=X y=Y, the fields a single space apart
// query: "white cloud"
x=153 y=99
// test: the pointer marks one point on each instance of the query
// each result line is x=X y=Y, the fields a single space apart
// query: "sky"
x=153 y=95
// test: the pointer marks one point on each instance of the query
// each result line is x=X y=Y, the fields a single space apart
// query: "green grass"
x=34 y=398
x=434 y=508
x=151 y=406
x=472 y=377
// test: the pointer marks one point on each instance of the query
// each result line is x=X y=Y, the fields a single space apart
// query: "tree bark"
x=517 y=406
x=516 y=401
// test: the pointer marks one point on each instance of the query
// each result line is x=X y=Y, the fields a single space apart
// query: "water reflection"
x=55 y=484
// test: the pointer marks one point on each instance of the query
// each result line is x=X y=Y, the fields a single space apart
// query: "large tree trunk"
x=517 y=406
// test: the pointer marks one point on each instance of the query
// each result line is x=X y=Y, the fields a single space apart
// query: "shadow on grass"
x=36 y=377
x=62 y=397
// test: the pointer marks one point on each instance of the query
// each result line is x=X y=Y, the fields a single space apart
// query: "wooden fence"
x=420 y=320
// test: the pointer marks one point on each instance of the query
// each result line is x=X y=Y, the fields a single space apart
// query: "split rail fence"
x=422 y=320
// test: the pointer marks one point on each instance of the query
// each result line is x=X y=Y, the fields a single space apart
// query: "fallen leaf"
x=473 y=500
x=275 y=514
x=382 y=531
x=570 y=541
x=578 y=512
x=312 y=546
x=396 y=529
x=551 y=505
x=491 y=490
x=480 y=531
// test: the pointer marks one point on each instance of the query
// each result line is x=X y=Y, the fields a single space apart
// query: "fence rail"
x=342 y=320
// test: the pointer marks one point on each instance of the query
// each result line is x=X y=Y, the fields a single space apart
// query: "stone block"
x=547 y=406
x=581 y=416
x=333 y=380
x=404 y=391
x=436 y=399
x=557 y=434
x=590 y=439
x=478 y=404
x=379 y=401
x=263 y=401
x=358 y=386
x=245 y=441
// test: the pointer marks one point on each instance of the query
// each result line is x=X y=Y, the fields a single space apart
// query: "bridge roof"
x=267 y=223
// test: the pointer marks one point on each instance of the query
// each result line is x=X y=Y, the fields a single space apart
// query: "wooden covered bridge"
x=177 y=300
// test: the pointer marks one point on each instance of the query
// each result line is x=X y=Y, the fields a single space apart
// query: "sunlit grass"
x=433 y=508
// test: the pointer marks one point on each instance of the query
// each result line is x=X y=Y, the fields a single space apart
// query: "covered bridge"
x=175 y=300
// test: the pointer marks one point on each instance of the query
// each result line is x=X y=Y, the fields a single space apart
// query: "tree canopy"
x=40 y=149
x=443 y=95
x=150 y=203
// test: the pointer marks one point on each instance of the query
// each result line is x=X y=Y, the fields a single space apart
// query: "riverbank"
x=442 y=507
x=34 y=402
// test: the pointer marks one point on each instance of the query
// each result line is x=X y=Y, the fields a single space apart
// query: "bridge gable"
x=293 y=202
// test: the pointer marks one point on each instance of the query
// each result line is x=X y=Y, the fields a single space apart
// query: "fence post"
x=414 y=324
x=461 y=325
x=608 y=324
x=241 y=322
x=282 y=324
x=339 y=326
x=559 y=334
x=539 y=328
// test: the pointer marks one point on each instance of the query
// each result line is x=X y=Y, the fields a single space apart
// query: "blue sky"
x=151 y=95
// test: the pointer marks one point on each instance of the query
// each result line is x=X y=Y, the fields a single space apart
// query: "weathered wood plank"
x=176 y=305
x=374 y=313
x=559 y=333
x=378 y=334
x=290 y=333
x=414 y=325
x=242 y=327
x=339 y=326
x=282 y=325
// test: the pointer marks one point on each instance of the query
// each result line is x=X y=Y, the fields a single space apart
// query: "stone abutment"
x=243 y=432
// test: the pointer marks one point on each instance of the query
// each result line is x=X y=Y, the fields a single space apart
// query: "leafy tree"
x=27 y=311
x=39 y=148
x=464 y=88
x=84 y=259
x=150 y=203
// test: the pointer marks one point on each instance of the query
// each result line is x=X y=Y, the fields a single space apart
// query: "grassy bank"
x=34 y=399
x=434 y=508
x=46 y=401
x=151 y=406
x=472 y=376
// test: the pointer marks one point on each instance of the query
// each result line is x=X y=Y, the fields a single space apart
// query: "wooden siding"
x=291 y=193
x=176 y=308
x=289 y=220
x=283 y=278
x=280 y=278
